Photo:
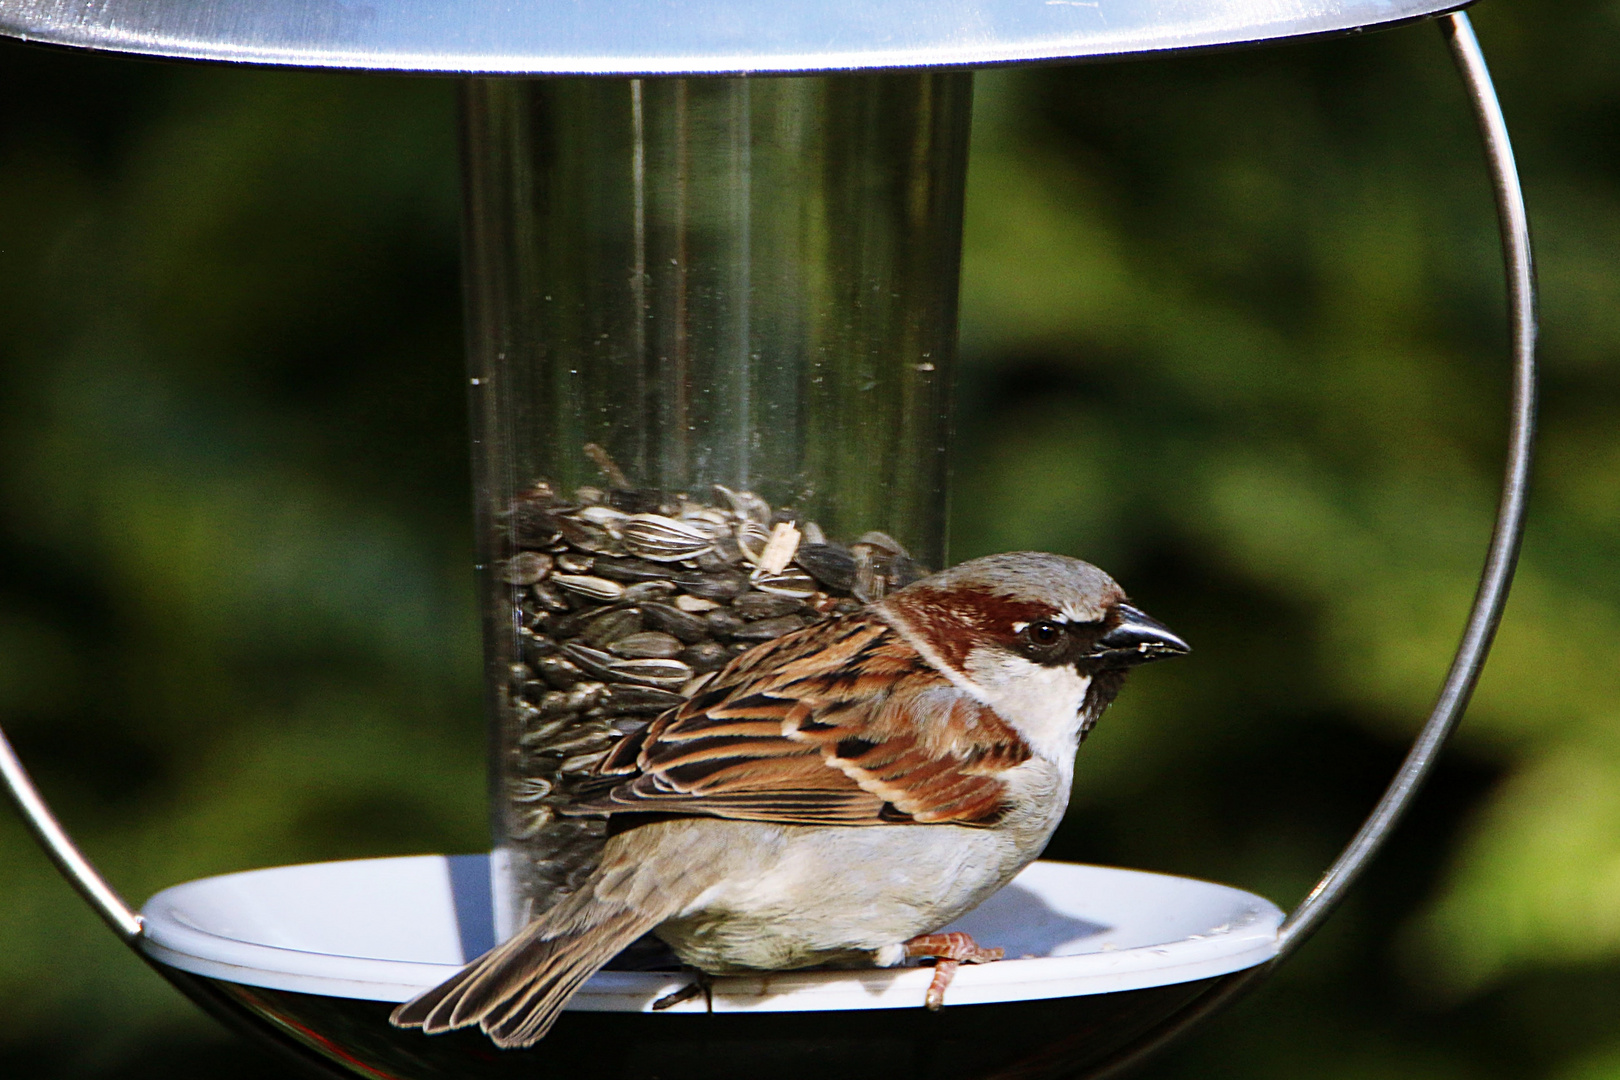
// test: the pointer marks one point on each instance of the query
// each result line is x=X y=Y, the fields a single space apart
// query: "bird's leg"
x=949 y=951
x=701 y=984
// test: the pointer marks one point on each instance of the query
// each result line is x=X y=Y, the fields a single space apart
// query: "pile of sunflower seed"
x=625 y=603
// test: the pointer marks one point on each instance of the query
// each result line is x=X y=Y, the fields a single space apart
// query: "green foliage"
x=1232 y=328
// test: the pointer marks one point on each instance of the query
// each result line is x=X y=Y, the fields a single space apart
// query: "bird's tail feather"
x=515 y=991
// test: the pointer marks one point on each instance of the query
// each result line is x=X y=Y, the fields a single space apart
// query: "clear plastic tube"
x=677 y=284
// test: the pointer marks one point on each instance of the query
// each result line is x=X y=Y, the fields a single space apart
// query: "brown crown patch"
x=954 y=621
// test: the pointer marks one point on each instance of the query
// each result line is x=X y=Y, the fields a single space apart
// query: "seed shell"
x=665 y=674
x=830 y=564
x=672 y=620
x=591 y=661
x=647 y=645
x=763 y=605
x=718 y=586
x=662 y=539
x=767 y=629
x=525 y=568
x=794 y=583
x=594 y=588
x=628 y=570
x=610 y=626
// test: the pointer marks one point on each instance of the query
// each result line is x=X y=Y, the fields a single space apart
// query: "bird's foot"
x=949 y=952
x=701 y=984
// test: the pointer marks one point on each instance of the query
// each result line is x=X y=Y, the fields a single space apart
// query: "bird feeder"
x=712 y=255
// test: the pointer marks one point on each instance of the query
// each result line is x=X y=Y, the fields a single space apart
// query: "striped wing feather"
x=842 y=723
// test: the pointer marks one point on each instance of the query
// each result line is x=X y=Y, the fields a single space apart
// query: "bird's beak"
x=1137 y=639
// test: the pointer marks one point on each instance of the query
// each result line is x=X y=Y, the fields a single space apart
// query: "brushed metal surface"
x=678 y=37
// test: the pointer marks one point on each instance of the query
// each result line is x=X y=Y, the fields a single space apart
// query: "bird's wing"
x=842 y=723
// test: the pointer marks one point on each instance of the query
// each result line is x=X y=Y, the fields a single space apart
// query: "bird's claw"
x=949 y=952
x=700 y=985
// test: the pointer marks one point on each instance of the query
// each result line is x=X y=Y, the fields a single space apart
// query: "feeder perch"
x=711 y=330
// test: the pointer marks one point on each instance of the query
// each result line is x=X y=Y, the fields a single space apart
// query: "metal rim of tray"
x=1484 y=617
x=636 y=38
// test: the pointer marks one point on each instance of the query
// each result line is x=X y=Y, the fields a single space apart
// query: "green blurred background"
x=1232 y=327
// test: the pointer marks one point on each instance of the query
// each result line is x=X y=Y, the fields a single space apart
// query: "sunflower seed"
x=712 y=586
x=592 y=661
x=562 y=626
x=582 y=743
x=558 y=671
x=528 y=823
x=542 y=732
x=607 y=517
x=627 y=699
x=629 y=570
x=751 y=539
x=695 y=604
x=706 y=519
x=554 y=703
x=575 y=564
x=527 y=789
x=760 y=605
x=635 y=502
x=582 y=763
x=766 y=629
x=664 y=674
x=830 y=564
x=525 y=714
x=881 y=540
x=587 y=694
x=672 y=620
x=546 y=594
x=647 y=645
x=662 y=539
x=724 y=553
x=534 y=646
x=705 y=656
x=746 y=505
x=795 y=583
x=610 y=626
x=587 y=537
x=525 y=568
x=648 y=590
x=593 y=588
x=724 y=623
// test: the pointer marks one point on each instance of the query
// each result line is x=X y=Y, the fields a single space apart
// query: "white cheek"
x=1042 y=702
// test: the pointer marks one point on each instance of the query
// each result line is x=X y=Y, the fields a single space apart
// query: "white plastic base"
x=386 y=929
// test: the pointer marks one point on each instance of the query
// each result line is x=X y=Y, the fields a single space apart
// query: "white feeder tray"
x=386 y=929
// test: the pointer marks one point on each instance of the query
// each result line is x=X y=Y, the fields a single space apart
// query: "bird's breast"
x=798 y=896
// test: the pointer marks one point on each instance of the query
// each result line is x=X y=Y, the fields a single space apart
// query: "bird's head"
x=1043 y=639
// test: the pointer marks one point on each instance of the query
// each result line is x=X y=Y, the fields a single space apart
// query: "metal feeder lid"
x=678 y=37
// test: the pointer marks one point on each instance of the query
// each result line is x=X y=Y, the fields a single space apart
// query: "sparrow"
x=835 y=796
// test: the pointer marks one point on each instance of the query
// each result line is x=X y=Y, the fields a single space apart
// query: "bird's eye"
x=1044 y=634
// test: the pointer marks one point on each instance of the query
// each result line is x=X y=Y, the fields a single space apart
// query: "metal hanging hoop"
x=1483 y=619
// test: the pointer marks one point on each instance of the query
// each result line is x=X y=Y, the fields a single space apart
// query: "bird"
x=836 y=796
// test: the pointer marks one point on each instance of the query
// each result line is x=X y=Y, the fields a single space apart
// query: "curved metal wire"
x=1504 y=550
x=1489 y=598
x=126 y=923
x=69 y=860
